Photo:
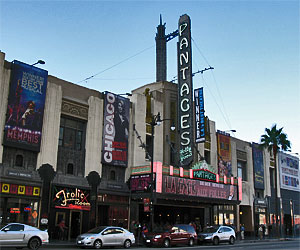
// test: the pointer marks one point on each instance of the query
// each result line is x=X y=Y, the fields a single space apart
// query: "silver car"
x=106 y=236
x=216 y=234
x=21 y=235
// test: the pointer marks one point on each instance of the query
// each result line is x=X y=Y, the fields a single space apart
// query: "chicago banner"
x=115 y=130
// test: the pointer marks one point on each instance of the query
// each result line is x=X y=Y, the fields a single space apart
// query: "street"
x=274 y=244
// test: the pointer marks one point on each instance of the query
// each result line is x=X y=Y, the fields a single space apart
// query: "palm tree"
x=273 y=140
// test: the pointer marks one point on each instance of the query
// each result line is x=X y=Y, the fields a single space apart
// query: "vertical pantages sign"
x=185 y=91
x=258 y=167
x=25 y=108
x=115 y=130
x=224 y=154
x=199 y=115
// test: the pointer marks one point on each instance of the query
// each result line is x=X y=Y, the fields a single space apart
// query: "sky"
x=252 y=45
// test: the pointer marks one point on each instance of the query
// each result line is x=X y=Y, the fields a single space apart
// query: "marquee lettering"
x=66 y=197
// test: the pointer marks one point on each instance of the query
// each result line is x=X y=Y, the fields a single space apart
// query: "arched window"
x=19 y=161
x=112 y=175
x=70 y=168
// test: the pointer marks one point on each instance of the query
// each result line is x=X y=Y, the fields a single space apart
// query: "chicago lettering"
x=109 y=128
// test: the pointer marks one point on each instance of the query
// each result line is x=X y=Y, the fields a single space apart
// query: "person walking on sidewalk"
x=242 y=232
x=260 y=232
x=62 y=230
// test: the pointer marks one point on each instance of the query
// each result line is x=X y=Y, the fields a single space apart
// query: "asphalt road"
x=278 y=245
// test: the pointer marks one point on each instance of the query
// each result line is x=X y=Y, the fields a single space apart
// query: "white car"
x=21 y=235
x=216 y=234
x=106 y=236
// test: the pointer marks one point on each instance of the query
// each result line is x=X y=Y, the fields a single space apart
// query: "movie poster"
x=258 y=165
x=224 y=154
x=289 y=172
x=25 y=108
x=115 y=130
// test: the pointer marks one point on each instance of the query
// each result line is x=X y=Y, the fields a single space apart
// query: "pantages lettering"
x=185 y=90
x=66 y=197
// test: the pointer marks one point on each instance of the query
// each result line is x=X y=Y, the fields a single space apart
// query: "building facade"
x=230 y=181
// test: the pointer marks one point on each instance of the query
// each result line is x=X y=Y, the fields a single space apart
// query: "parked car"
x=21 y=235
x=217 y=234
x=178 y=234
x=106 y=236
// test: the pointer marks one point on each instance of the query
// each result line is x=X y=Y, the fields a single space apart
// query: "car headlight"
x=157 y=236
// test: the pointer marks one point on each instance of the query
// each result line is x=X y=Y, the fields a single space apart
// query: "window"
x=14 y=227
x=70 y=168
x=272 y=177
x=242 y=171
x=112 y=175
x=19 y=161
x=207 y=156
x=71 y=133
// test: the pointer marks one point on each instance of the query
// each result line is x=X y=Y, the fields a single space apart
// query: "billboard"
x=115 y=130
x=258 y=167
x=25 y=108
x=224 y=154
x=185 y=91
x=140 y=183
x=199 y=115
x=197 y=188
x=289 y=172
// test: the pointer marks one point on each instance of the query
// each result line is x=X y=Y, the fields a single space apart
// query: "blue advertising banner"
x=115 y=130
x=258 y=167
x=25 y=108
x=199 y=115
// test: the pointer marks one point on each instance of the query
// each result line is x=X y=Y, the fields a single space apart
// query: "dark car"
x=216 y=234
x=178 y=234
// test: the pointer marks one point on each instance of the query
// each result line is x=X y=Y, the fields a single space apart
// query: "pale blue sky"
x=253 y=46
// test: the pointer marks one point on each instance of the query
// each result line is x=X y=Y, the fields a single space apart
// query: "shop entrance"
x=75 y=224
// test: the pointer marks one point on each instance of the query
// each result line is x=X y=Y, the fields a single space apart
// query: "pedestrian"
x=62 y=229
x=260 y=232
x=242 y=232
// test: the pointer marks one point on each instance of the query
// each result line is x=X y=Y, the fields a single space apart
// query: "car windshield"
x=96 y=230
x=209 y=229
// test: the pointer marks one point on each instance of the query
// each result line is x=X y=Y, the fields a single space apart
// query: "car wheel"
x=34 y=243
x=231 y=240
x=127 y=244
x=166 y=243
x=97 y=244
x=216 y=241
x=191 y=242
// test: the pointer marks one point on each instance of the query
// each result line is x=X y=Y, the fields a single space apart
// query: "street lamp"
x=38 y=62
x=155 y=120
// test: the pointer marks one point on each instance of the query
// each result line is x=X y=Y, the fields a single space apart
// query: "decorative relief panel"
x=74 y=110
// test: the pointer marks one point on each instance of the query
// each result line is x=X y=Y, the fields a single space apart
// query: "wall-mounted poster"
x=224 y=154
x=115 y=130
x=25 y=108
x=258 y=165
x=289 y=172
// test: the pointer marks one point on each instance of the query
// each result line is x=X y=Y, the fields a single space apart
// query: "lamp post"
x=38 y=62
x=156 y=120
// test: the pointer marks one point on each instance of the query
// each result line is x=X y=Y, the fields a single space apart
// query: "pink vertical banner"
x=158 y=177
x=225 y=179
x=240 y=188
x=181 y=171
x=217 y=178
x=171 y=170
x=191 y=173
